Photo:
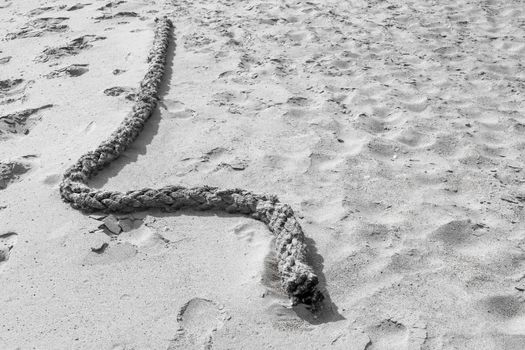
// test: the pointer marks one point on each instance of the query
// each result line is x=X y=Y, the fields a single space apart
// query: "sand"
x=395 y=130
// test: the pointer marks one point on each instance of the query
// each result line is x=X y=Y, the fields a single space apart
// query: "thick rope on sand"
x=297 y=277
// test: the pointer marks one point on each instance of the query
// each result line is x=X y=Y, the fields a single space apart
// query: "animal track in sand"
x=19 y=122
x=199 y=319
x=7 y=242
x=74 y=47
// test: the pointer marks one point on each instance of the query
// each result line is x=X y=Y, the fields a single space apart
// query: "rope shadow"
x=151 y=128
x=297 y=275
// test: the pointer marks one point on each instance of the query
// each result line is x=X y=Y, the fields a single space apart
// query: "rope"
x=297 y=276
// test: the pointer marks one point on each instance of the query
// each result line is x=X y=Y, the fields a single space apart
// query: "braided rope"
x=297 y=277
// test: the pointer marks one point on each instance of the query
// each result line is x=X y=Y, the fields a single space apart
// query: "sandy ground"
x=395 y=129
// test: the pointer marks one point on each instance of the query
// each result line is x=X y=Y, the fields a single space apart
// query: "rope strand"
x=297 y=276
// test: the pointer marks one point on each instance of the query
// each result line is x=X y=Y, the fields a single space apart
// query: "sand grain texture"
x=395 y=130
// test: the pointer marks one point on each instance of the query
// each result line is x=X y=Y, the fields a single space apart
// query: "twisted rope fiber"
x=297 y=276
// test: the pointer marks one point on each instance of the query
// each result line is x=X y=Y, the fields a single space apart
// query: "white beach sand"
x=395 y=129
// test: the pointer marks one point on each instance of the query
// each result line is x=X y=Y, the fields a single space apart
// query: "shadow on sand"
x=327 y=311
x=151 y=128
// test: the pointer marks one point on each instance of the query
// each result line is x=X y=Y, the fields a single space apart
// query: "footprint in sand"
x=417 y=106
x=353 y=339
x=215 y=155
x=20 y=122
x=298 y=101
x=122 y=14
x=111 y=5
x=129 y=234
x=384 y=148
x=11 y=171
x=446 y=145
x=411 y=137
x=175 y=109
x=196 y=41
x=41 y=10
x=283 y=67
x=38 y=27
x=74 y=47
x=198 y=320
x=388 y=335
x=52 y=179
x=454 y=233
x=245 y=231
x=129 y=93
x=408 y=259
x=231 y=99
x=9 y=84
x=323 y=163
x=378 y=234
x=7 y=242
x=73 y=70
x=502 y=307
x=12 y=90
x=369 y=124
x=328 y=64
